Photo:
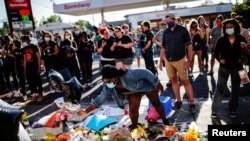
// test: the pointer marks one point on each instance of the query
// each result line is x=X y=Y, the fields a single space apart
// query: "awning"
x=86 y=7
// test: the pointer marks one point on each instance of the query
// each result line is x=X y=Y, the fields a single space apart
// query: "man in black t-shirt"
x=19 y=62
x=85 y=50
x=146 y=42
x=32 y=69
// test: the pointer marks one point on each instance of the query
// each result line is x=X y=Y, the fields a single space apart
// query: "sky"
x=44 y=8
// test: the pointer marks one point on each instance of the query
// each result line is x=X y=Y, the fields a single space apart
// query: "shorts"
x=137 y=52
x=126 y=61
x=177 y=66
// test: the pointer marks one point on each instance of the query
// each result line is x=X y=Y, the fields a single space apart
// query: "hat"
x=170 y=15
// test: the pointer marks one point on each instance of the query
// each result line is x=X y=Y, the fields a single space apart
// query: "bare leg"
x=154 y=99
x=134 y=104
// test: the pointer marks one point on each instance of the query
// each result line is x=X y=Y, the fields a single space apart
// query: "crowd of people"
x=25 y=58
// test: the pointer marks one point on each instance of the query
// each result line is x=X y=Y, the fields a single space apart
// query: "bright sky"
x=44 y=8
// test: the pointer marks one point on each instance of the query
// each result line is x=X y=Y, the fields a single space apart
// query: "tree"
x=51 y=19
x=243 y=9
x=84 y=24
x=4 y=29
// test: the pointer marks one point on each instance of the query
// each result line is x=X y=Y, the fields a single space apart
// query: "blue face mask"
x=171 y=24
x=111 y=85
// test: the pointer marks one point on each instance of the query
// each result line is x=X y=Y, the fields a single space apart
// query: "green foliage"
x=84 y=24
x=243 y=9
x=51 y=19
x=3 y=31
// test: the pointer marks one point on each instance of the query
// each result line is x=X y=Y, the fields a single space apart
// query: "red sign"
x=17 y=4
x=24 y=12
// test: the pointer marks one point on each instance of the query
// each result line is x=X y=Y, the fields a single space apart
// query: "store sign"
x=18 y=4
x=19 y=14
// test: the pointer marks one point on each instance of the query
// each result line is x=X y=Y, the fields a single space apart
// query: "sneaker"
x=233 y=115
x=17 y=95
x=166 y=122
x=210 y=73
x=201 y=73
x=85 y=85
x=25 y=97
x=178 y=104
x=214 y=115
x=169 y=83
x=192 y=109
x=90 y=85
x=190 y=74
x=34 y=97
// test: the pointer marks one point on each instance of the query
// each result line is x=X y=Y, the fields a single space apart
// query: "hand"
x=90 y=108
x=143 y=50
x=159 y=87
x=243 y=44
x=222 y=61
x=119 y=44
x=39 y=70
x=160 y=65
x=208 y=45
x=187 y=64
x=104 y=43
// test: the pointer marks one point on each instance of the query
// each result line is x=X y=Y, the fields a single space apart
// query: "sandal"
x=39 y=98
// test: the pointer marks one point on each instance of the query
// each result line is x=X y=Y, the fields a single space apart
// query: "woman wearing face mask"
x=205 y=32
x=228 y=52
x=49 y=51
x=134 y=83
x=67 y=55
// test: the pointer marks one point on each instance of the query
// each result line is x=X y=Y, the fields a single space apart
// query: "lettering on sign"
x=78 y=5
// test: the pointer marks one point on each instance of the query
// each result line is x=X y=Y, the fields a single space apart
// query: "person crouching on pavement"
x=134 y=83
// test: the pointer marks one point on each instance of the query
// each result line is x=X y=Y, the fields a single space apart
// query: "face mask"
x=171 y=24
x=47 y=39
x=202 y=22
x=77 y=32
x=111 y=85
x=230 y=31
x=67 y=37
x=24 y=44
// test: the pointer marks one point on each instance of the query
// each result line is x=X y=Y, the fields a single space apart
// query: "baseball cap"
x=170 y=15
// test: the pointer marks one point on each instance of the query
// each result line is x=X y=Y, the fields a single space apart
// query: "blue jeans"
x=221 y=87
x=149 y=62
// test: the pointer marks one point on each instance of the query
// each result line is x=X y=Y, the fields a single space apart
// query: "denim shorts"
x=137 y=52
x=126 y=61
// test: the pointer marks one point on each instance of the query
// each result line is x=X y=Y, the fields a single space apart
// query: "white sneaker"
x=25 y=97
x=90 y=85
x=190 y=74
x=10 y=95
x=17 y=94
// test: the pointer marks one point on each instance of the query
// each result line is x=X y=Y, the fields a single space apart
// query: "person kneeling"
x=134 y=83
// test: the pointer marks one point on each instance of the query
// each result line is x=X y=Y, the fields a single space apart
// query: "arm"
x=218 y=49
x=162 y=55
x=208 y=36
x=38 y=62
x=128 y=45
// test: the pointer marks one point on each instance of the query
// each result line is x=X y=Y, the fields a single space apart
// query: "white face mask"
x=67 y=37
x=47 y=39
x=230 y=31
x=111 y=85
x=77 y=32
x=24 y=44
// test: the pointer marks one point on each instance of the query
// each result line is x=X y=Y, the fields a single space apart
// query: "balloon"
x=72 y=90
x=55 y=79
x=9 y=121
